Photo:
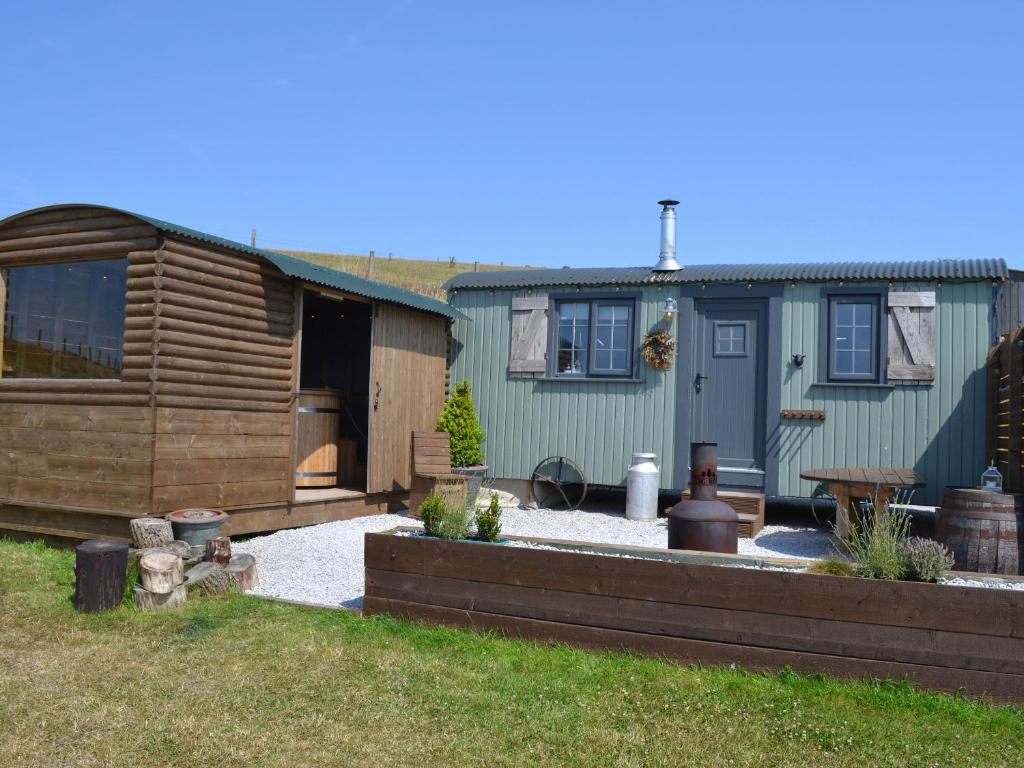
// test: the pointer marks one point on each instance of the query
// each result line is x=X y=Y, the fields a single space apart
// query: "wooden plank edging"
x=899 y=604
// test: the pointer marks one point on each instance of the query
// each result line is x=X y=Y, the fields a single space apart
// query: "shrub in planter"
x=833 y=566
x=443 y=521
x=880 y=547
x=927 y=559
x=460 y=421
x=488 y=520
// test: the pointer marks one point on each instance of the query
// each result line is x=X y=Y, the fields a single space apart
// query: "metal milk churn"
x=642 y=482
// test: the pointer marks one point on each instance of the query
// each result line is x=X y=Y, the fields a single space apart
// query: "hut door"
x=728 y=388
x=407 y=380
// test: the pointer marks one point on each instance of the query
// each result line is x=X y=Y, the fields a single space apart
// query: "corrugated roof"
x=297 y=268
x=937 y=269
x=314 y=273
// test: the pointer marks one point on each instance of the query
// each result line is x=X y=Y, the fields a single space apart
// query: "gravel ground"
x=323 y=564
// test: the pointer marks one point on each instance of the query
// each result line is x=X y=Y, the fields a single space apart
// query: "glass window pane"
x=572 y=310
x=603 y=338
x=862 y=338
x=844 y=362
x=619 y=338
x=844 y=314
x=65 y=320
x=620 y=360
x=862 y=313
x=862 y=362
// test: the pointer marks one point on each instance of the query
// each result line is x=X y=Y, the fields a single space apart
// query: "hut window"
x=65 y=321
x=853 y=337
x=594 y=338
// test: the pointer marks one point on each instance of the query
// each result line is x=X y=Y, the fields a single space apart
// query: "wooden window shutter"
x=529 y=337
x=911 y=336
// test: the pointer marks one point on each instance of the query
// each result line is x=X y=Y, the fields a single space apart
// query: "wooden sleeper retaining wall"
x=936 y=636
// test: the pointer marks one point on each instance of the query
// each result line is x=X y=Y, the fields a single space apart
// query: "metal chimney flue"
x=667 y=261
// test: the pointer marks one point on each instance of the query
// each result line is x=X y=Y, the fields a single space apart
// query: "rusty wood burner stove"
x=703 y=522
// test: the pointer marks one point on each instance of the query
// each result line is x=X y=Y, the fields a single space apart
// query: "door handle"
x=698 y=382
x=376 y=397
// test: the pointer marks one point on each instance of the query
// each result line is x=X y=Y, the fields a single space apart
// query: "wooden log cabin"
x=147 y=367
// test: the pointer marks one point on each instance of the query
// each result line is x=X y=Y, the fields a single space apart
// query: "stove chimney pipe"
x=667 y=262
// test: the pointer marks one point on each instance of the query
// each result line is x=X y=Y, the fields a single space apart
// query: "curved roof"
x=936 y=269
x=296 y=268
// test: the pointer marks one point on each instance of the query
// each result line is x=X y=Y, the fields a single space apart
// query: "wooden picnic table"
x=847 y=484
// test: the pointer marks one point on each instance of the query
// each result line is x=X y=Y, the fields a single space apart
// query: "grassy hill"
x=424 y=277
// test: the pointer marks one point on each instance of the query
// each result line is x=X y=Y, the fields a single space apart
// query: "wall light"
x=671 y=309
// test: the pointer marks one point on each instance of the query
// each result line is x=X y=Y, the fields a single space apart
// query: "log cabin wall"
x=74 y=446
x=223 y=342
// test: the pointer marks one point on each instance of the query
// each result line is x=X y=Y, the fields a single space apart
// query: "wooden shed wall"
x=224 y=346
x=937 y=428
x=78 y=444
x=597 y=423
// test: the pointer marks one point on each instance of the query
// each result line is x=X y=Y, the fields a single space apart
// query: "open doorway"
x=332 y=423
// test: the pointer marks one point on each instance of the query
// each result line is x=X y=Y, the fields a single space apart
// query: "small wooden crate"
x=750 y=508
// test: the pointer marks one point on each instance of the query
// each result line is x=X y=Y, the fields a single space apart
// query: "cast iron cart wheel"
x=559 y=483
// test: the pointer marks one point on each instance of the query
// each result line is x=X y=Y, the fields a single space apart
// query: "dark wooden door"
x=729 y=387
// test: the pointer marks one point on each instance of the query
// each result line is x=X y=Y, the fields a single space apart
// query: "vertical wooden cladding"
x=223 y=340
x=406 y=390
x=67 y=443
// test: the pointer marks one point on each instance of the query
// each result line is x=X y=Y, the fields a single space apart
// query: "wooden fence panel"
x=1005 y=422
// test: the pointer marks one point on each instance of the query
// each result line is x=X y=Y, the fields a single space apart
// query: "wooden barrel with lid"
x=316 y=443
x=982 y=529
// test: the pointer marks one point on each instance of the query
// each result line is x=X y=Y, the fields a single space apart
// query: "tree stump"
x=100 y=570
x=207 y=579
x=161 y=572
x=218 y=550
x=154 y=601
x=150 y=532
x=242 y=570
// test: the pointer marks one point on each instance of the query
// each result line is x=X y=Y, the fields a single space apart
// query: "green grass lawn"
x=424 y=277
x=237 y=681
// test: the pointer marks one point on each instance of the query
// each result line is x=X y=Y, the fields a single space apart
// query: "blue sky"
x=531 y=133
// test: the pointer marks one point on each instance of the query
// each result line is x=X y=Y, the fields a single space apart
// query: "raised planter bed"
x=710 y=609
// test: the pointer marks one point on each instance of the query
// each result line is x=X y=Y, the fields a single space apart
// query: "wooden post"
x=369 y=266
x=100 y=571
x=242 y=570
x=208 y=579
x=3 y=315
x=150 y=532
x=254 y=237
x=161 y=572
x=218 y=550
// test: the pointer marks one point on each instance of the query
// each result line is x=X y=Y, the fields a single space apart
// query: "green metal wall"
x=598 y=424
x=938 y=429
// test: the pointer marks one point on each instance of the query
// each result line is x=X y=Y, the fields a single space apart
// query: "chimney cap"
x=668 y=203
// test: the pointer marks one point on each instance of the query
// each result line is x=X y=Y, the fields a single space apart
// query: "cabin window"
x=594 y=338
x=853 y=337
x=65 y=321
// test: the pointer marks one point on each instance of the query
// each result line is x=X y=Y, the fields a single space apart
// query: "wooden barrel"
x=982 y=529
x=316 y=440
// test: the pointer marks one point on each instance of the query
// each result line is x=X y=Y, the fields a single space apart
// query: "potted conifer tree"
x=460 y=421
